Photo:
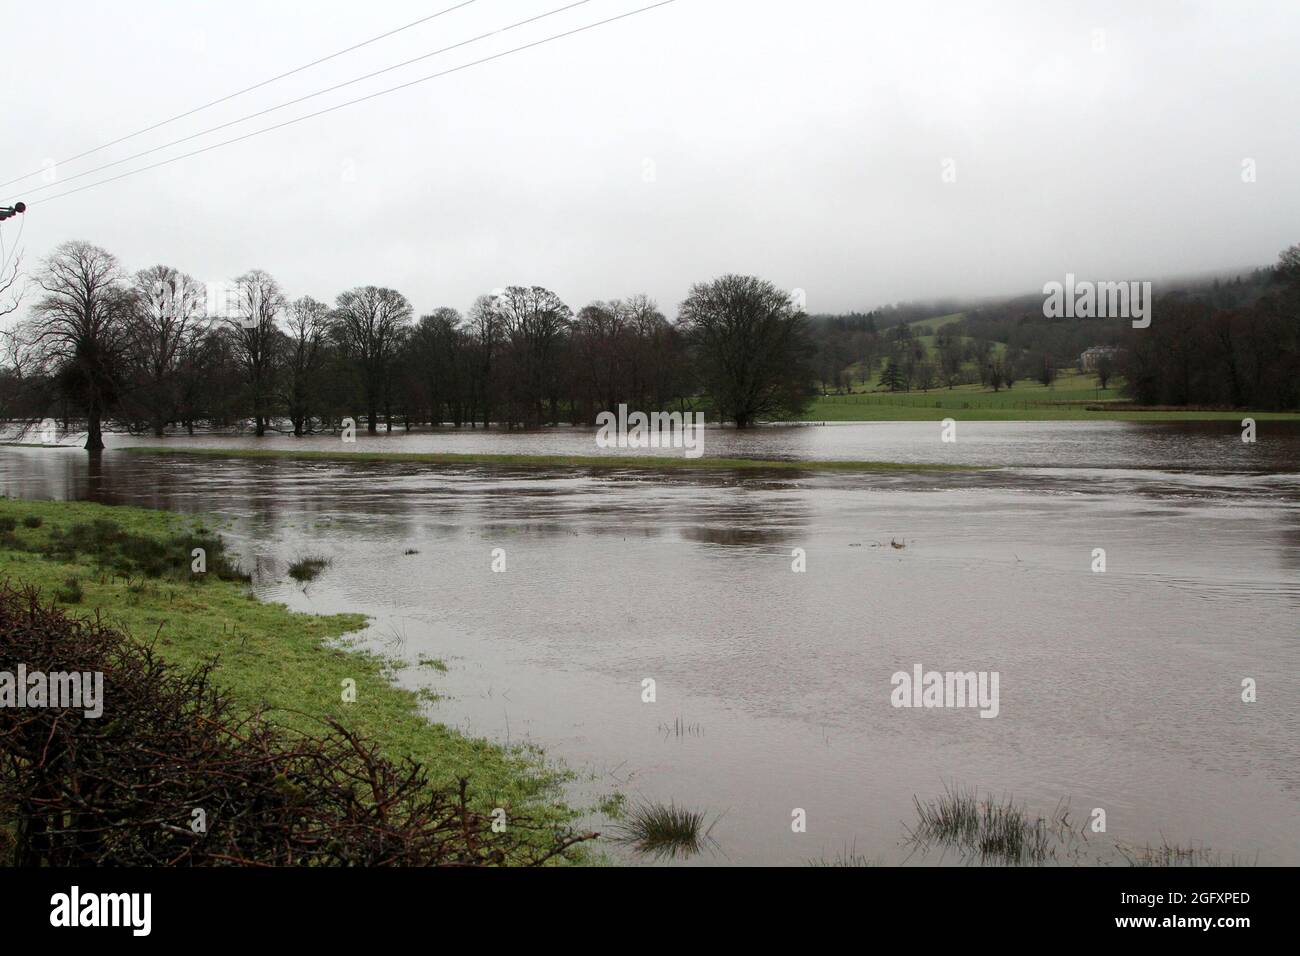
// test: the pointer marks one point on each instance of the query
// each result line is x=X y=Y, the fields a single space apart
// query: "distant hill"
x=1224 y=340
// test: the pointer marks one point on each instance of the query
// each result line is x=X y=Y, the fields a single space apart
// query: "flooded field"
x=1118 y=690
x=1200 y=446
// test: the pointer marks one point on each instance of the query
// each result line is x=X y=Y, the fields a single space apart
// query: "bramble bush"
x=171 y=750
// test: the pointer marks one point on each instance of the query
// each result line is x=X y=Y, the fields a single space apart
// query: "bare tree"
x=752 y=346
x=304 y=355
x=368 y=324
x=11 y=289
x=256 y=338
x=208 y=378
x=600 y=353
x=438 y=370
x=1046 y=370
x=79 y=328
x=535 y=322
x=655 y=352
x=170 y=309
x=624 y=350
x=1105 y=369
x=485 y=330
x=12 y=382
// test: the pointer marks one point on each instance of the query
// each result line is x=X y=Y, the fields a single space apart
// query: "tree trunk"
x=94 y=437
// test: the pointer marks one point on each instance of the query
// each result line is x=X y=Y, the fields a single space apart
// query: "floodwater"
x=1202 y=446
x=1118 y=690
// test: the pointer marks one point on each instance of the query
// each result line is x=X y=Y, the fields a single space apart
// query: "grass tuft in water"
x=1173 y=855
x=665 y=830
x=848 y=856
x=308 y=568
x=990 y=829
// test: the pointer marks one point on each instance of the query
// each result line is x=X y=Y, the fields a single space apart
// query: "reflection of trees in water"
x=752 y=521
x=740 y=537
x=1289 y=554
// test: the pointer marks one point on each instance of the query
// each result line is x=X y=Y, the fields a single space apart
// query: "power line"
x=247 y=89
x=308 y=96
x=360 y=99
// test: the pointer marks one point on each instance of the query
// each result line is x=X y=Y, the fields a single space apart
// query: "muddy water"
x=1118 y=690
x=1201 y=446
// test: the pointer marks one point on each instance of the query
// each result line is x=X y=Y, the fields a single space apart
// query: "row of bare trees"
x=153 y=350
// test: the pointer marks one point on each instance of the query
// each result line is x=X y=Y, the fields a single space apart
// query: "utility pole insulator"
x=7 y=212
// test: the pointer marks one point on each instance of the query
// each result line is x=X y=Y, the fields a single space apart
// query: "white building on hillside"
x=1089 y=358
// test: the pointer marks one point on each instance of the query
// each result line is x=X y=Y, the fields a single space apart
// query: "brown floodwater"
x=1119 y=690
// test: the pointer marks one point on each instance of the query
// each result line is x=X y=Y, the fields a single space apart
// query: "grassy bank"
x=1074 y=396
x=91 y=558
x=647 y=462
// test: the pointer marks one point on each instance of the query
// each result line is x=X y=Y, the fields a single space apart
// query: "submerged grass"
x=988 y=829
x=1172 y=855
x=647 y=462
x=664 y=830
x=308 y=568
x=267 y=655
x=1001 y=832
x=848 y=856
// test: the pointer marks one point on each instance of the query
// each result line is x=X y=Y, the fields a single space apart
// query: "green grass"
x=121 y=552
x=268 y=656
x=647 y=462
x=1073 y=397
x=1068 y=399
x=435 y=662
x=931 y=325
x=71 y=592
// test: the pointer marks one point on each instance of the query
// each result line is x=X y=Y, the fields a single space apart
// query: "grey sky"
x=800 y=141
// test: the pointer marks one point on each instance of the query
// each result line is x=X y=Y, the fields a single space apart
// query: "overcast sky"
x=804 y=142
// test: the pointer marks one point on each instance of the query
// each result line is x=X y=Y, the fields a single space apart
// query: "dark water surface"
x=1118 y=690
